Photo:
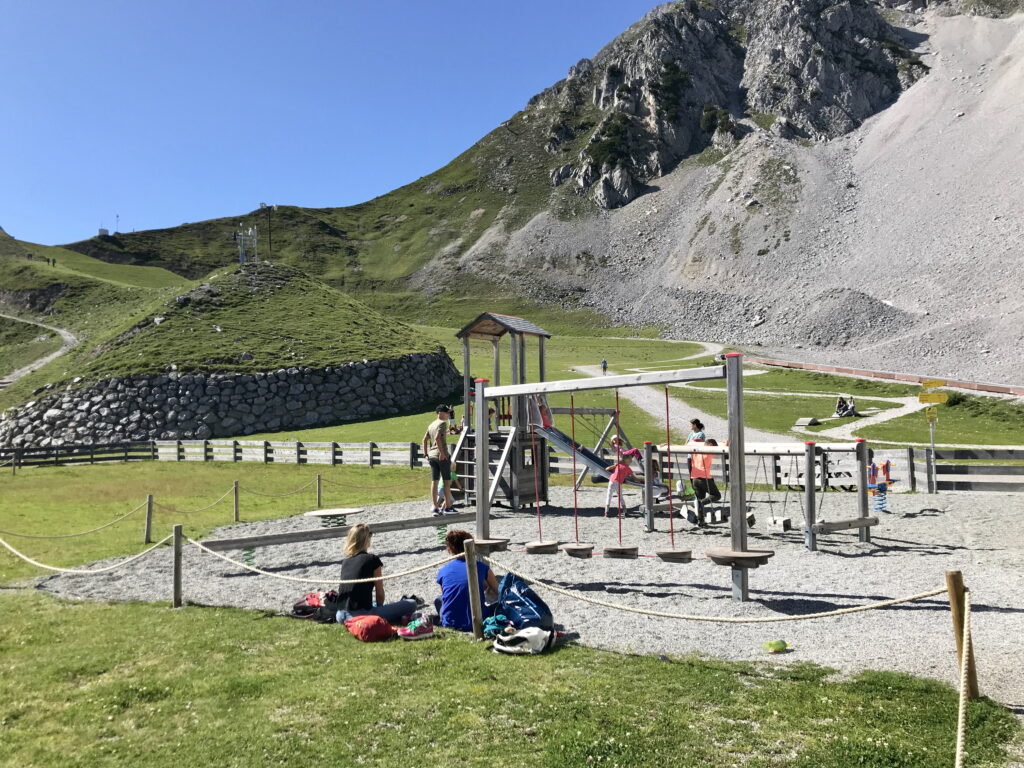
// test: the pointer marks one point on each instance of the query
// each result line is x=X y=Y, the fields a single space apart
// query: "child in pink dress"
x=620 y=473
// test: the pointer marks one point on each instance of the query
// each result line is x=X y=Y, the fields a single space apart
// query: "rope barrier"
x=277 y=495
x=193 y=511
x=260 y=571
x=965 y=655
x=93 y=571
x=72 y=535
x=714 y=619
x=363 y=487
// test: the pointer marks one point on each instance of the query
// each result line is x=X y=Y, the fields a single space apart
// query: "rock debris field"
x=923 y=537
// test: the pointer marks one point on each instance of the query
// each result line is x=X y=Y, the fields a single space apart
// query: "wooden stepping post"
x=579 y=550
x=620 y=552
x=675 y=555
x=486 y=546
x=541 y=547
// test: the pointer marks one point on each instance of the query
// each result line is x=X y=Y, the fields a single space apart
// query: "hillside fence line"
x=914 y=468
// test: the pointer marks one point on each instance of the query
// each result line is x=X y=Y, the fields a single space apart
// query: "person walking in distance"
x=604 y=367
x=435 y=447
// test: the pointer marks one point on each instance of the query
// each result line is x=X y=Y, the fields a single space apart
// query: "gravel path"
x=70 y=340
x=978 y=533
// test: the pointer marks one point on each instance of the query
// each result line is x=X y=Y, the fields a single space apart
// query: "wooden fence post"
x=178 y=450
x=911 y=474
x=334 y=454
x=373 y=447
x=207 y=454
x=776 y=472
x=176 y=582
x=956 y=589
x=14 y=461
x=266 y=451
x=929 y=466
x=319 y=491
x=236 y=453
x=153 y=452
x=413 y=455
x=810 y=537
x=149 y=520
x=298 y=452
x=235 y=489
x=473 y=578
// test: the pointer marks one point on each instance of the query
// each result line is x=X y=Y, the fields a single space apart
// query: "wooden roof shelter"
x=491 y=326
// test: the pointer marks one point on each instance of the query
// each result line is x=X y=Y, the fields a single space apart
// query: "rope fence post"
x=147 y=539
x=176 y=583
x=911 y=474
x=810 y=537
x=957 y=591
x=319 y=491
x=473 y=578
x=234 y=489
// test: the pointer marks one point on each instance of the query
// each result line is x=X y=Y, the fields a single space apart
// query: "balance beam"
x=321 y=534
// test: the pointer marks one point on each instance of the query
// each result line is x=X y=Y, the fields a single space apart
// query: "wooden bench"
x=752 y=558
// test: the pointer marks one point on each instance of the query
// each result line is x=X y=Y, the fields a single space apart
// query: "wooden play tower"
x=512 y=450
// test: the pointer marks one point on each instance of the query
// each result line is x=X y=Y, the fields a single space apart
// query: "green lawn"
x=992 y=422
x=58 y=500
x=770 y=413
x=143 y=685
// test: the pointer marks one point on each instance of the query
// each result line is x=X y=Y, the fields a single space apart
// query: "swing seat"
x=486 y=546
x=621 y=552
x=541 y=547
x=675 y=555
x=579 y=550
x=781 y=524
x=750 y=559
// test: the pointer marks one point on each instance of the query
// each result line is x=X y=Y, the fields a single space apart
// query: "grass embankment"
x=59 y=500
x=70 y=262
x=87 y=687
x=23 y=343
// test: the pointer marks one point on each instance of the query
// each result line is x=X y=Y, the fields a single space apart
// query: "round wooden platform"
x=621 y=552
x=749 y=559
x=486 y=546
x=675 y=555
x=541 y=547
x=578 y=550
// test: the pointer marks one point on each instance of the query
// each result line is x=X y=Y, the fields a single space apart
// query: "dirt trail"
x=70 y=340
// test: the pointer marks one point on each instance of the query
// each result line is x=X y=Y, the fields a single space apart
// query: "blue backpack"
x=522 y=606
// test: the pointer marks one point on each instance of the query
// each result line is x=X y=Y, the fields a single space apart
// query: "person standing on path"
x=435 y=447
x=604 y=367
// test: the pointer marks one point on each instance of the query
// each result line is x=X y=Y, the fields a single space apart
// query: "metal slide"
x=588 y=458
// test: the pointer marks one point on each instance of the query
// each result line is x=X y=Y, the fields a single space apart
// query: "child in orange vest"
x=702 y=479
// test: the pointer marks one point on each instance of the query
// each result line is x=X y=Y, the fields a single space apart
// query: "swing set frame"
x=738 y=557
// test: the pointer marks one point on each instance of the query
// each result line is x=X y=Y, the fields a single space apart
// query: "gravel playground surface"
x=978 y=533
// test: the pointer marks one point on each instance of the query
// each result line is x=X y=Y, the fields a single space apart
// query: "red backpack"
x=369 y=628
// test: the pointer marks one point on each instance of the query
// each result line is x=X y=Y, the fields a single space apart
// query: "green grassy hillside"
x=247 y=318
x=22 y=343
x=253 y=317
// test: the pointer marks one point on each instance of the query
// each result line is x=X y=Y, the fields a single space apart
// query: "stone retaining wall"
x=200 y=406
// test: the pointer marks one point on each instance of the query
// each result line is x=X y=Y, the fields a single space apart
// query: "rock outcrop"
x=200 y=406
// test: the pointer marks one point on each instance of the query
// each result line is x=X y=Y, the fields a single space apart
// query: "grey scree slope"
x=978 y=533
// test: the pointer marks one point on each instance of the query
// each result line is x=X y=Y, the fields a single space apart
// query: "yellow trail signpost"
x=932 y=397
x=931 y=412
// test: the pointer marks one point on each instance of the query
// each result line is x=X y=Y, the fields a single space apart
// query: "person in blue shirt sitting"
x=453 y=604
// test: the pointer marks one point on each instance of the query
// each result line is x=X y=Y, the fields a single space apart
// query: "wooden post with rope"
x=957 y=590
x=234 y=489
x=473 y=579
x=319 y=491
x=148 y=536
x=176 y=584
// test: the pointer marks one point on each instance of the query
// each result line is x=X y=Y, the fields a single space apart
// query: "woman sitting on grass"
x=453 y=604
x=358 y=599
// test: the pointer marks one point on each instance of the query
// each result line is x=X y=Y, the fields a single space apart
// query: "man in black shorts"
x=435 y=447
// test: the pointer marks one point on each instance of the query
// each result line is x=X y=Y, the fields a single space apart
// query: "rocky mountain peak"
x=690 y=70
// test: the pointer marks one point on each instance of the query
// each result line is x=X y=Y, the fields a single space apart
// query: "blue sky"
x=175 y=111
